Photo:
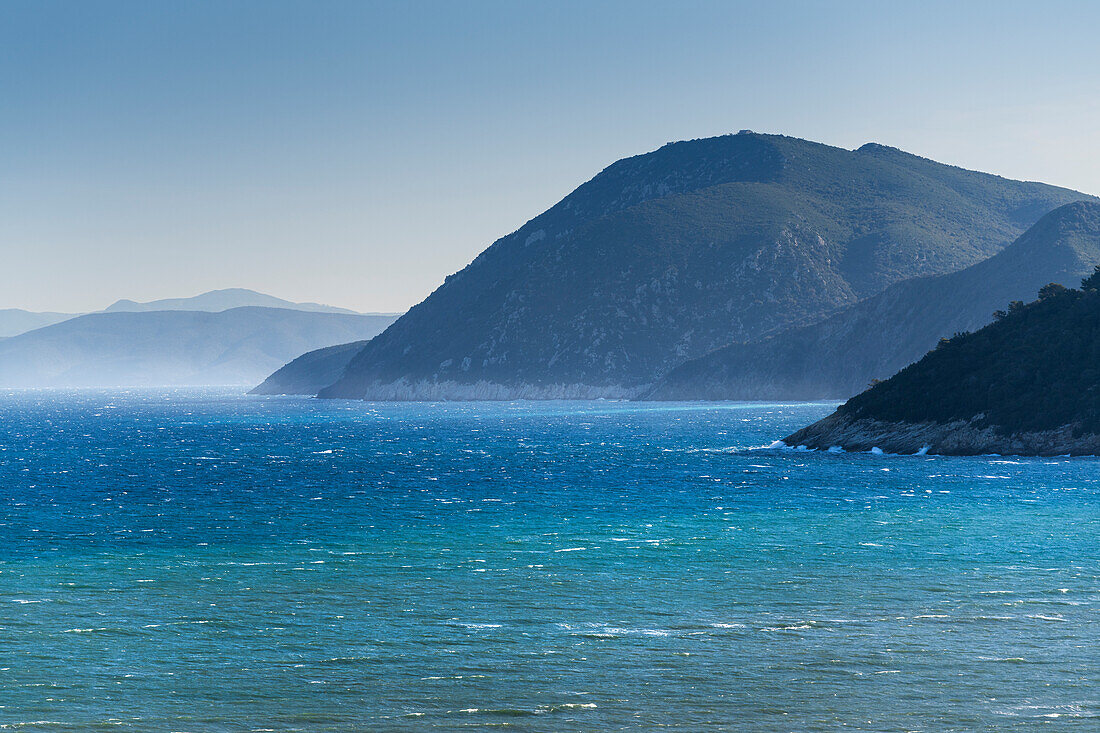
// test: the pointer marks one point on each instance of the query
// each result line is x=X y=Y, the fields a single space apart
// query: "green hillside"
x=666 y=256
x=1028 y=383
x=1035 y=368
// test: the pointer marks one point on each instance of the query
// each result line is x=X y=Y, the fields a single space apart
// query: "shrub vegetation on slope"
x=1036 y=367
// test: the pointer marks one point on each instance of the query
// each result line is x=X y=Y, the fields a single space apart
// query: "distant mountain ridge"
x=14 y=321
x=667 y=256
x=882 y=334
x=239 y=346
x=221 y=300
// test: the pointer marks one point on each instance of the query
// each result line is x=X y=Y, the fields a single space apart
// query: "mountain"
x=236 y=346
x=669 y=255
x=311 y=372
x=1027 y=384
x=14 y=321
x=221 y=300
x=878 y=336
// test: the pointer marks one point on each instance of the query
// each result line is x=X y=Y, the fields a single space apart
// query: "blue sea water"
x=208 y=561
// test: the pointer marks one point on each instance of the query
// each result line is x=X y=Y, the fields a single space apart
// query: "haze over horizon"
x=356 y=154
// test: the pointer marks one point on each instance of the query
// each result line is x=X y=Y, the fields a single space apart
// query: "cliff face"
x=666 y=256
x=1027 y=384
x=873 y=339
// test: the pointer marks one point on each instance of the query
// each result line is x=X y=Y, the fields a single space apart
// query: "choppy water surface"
x=213 y=562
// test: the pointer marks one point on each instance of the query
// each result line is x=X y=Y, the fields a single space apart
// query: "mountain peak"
x=1071 y=225
x=1085 y=214
x=665 y=256
x=879 y=148
x=215 y=301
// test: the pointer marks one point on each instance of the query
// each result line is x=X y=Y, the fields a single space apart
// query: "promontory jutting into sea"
x=743 y=267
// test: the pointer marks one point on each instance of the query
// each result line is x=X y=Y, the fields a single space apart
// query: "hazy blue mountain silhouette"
x=236 y=346
x=14 y=321
x=220 y=300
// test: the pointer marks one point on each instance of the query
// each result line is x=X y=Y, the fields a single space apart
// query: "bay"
x=209 y=561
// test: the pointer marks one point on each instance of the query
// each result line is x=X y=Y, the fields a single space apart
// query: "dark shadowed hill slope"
x=1029 y=383
x=666 y=256
x=237 y=346
x=311 y=372
x=878 y=336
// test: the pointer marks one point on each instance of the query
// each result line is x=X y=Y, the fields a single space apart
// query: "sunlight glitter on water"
x=543 y=566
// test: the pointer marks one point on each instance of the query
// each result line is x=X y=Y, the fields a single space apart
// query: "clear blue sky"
x=356 y=153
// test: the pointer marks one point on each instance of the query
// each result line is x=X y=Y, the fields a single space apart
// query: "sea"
x=205 y=560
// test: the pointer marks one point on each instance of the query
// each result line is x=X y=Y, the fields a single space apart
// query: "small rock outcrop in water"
x=1027 y=384
x=667 y=256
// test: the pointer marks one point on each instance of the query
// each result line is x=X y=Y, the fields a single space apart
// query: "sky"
x=356 y=153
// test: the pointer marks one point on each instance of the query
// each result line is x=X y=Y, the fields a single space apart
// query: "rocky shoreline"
x=958 y=438
x=425 y=390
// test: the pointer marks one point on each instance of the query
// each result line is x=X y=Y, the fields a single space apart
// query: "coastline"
x=426 y=390
x=958 y=438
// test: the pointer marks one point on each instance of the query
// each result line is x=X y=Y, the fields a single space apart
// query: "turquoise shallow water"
x=211 y=562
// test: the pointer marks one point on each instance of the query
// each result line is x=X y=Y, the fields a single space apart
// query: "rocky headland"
x=1026 y=384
